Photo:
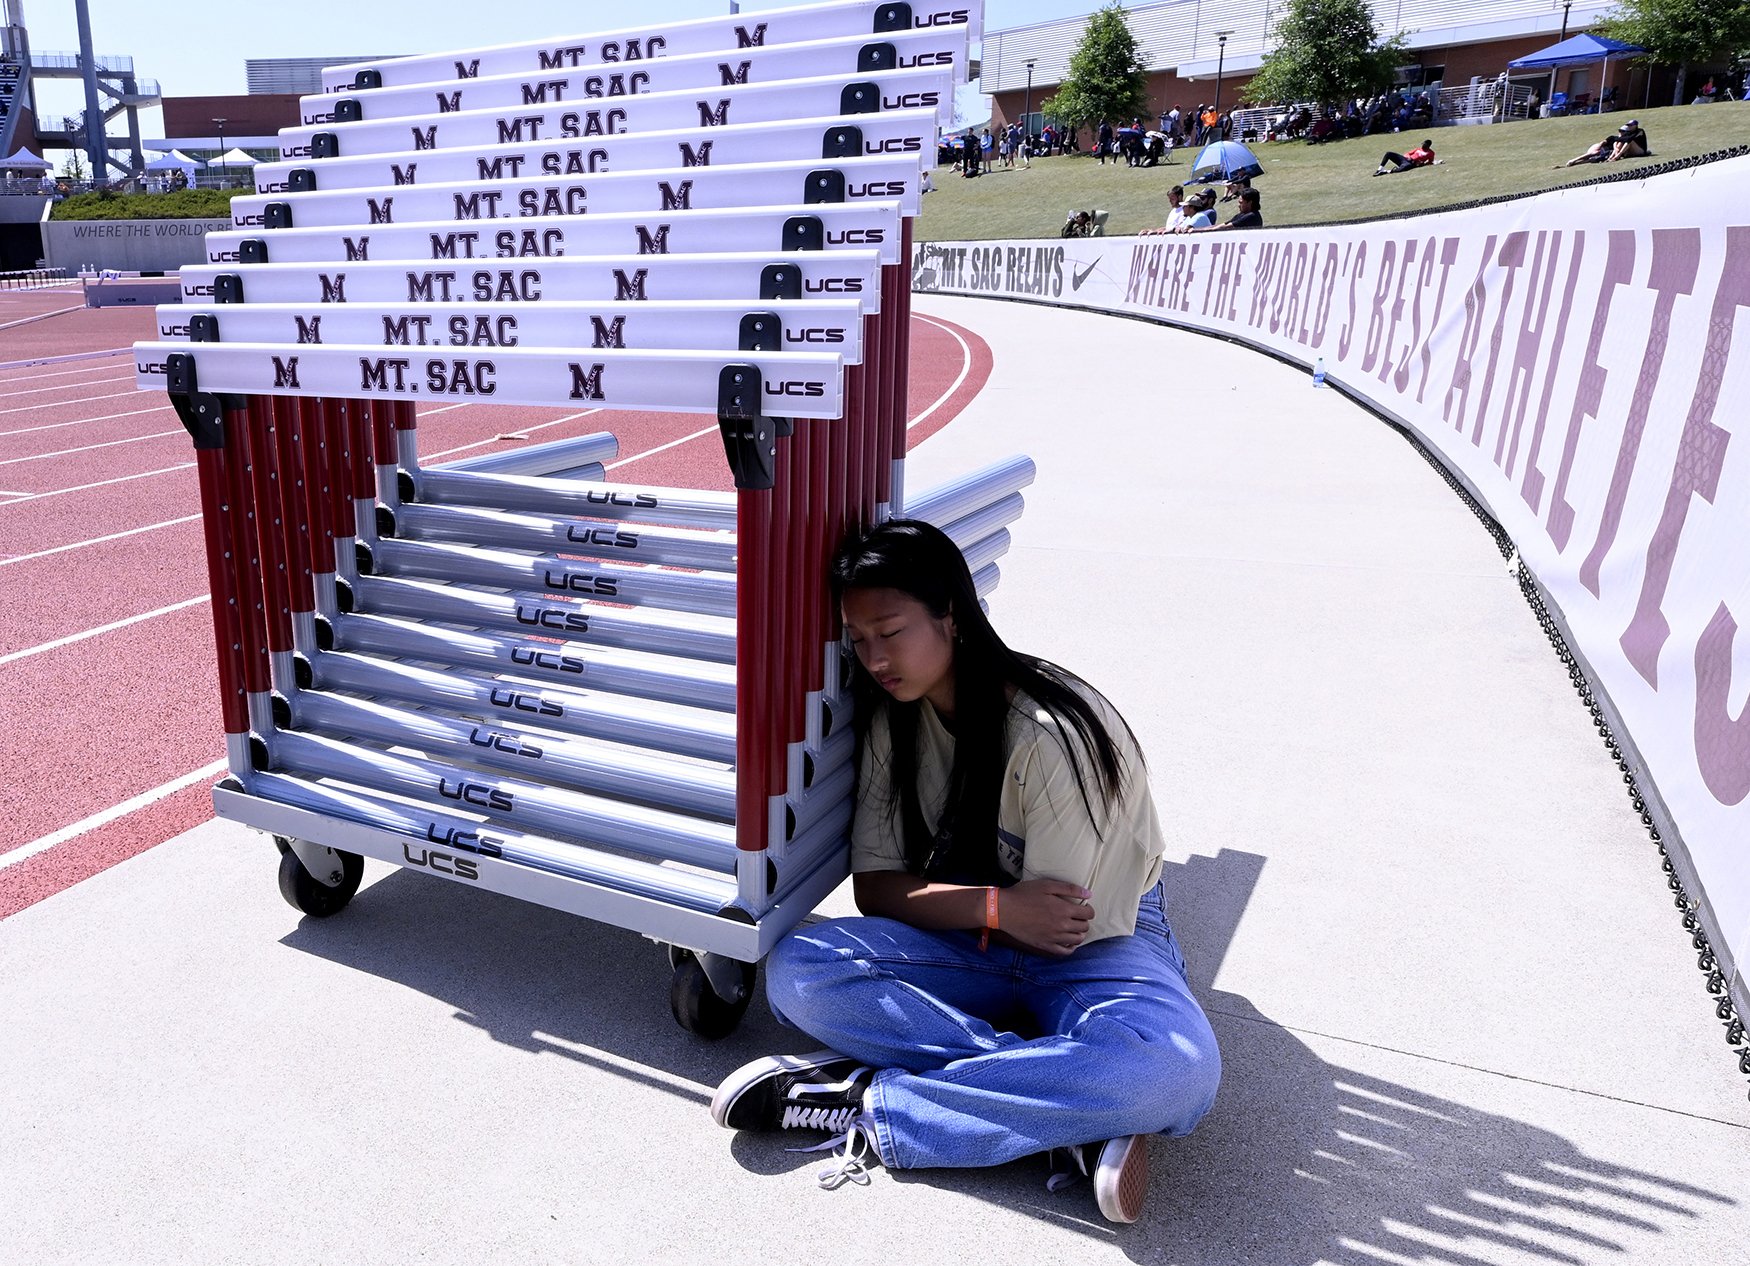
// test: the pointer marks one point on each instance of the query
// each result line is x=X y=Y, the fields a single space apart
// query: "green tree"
x=1326 y=51
x=1107 y=76
x=1682 y=33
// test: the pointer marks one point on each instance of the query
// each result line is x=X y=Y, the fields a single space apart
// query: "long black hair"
x=923 y=562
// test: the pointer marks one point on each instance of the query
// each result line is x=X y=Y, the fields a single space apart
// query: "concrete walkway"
x=1459 y=1019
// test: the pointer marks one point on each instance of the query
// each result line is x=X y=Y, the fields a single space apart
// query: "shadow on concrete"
x=1302 y=1161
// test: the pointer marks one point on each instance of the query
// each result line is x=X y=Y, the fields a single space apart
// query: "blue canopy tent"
x=1578 y=50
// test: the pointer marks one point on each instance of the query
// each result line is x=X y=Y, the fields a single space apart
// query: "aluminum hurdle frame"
x=355 y=605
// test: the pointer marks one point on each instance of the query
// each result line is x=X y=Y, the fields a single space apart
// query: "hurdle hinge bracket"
x=892 y=17
x=780 y=281
x=861 y=97
x=761 y=332
x=347 y=110
x=325 y=145
x=301 y=180
x=877 y=57
x=202 y=412
x=749 y=437
x=367 y=79
x=804 y=233
x=843 y=141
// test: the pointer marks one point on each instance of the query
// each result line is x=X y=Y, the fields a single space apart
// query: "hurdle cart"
x=512 y=672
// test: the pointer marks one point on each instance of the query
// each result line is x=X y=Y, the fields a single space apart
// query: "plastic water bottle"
x=1319 y=372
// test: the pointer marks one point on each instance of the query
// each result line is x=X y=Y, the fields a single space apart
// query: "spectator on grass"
x=1199 y=212
x=1235 y=188
x=1103 y=142
x=1392 y=164
x=1628 y=141
x=1175 y=211
x=1249 y=216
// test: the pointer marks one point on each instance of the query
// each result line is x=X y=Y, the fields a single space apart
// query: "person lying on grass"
x=1393 y=164
x=1628 y=141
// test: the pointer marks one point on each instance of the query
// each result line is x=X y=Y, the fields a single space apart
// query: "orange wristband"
x=990 y=919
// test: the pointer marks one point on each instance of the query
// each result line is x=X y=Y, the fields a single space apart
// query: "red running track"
x=99 y=527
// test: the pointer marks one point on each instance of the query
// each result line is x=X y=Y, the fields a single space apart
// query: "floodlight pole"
x=1566 y=5
x=1027 y=108
x=224 y=170
x=1220 y=62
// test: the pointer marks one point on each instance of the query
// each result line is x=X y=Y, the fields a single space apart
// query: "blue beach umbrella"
x=1225 y=160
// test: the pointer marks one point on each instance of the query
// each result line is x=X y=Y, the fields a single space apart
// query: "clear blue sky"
x=198 y=47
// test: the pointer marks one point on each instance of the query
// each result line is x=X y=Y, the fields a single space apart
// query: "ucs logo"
x=794 y=388
x=443 y=863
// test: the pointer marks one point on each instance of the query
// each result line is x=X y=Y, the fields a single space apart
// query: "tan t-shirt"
x=1043 y=827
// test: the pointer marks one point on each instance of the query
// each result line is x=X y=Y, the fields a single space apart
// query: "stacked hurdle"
x=625 y=702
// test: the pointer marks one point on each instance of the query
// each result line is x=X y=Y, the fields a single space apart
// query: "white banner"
x=615 y=279
x=667 y=39
x=846 y=58
x=790 y=384
x=652 y=192
x=886 y=133
x=1581 y=360
x=658 y=112
x=805 y=325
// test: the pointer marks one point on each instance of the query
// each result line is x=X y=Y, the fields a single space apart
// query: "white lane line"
x=524 y=430
x=56 y=404
x=96 y=540
x=43 y=316
x=965 y=369
x=100 y=630
x=101 y=483
x=108 y=417
x=651 y=452
x=37 y=391
x=59 y=373
x=432 y=413
x=91 y=448
x=25 y=851
x=30 y=362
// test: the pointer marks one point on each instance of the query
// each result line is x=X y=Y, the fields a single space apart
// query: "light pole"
x=1566 y=5
x=223 y=167
x=1220 y=62
x=1027 y=109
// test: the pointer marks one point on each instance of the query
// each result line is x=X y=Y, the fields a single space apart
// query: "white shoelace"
x=837 y=1120
x=1063 y=1175
x=852 y=1163
x=835 y=1116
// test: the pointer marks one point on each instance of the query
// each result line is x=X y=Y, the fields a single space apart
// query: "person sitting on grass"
x=1249 y=216
x=1628 y=141
x=1013 y=986
x=1199 y=212
x=1175 y=211
x=1422 y=156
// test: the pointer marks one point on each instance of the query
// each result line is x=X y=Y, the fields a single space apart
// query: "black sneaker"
x=1119 y=1168
x=822 y=1091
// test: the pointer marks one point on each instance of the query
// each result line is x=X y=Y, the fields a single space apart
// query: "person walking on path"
x=1013 y=986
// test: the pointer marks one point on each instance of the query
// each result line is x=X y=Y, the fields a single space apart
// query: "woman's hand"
x=1045 y=916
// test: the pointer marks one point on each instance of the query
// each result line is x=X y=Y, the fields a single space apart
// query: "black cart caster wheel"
x=697 y=1006
x=305 y=892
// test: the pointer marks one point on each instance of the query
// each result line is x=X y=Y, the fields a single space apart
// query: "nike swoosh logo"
x=1077 y=278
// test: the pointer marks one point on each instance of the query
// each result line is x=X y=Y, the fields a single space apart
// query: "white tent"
x=24 y=160
x=172 y=161
x=235 y=158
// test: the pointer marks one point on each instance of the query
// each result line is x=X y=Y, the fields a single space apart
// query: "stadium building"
x=1202 y=52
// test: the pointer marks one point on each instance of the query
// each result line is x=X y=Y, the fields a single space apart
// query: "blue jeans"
x=1111 y=1041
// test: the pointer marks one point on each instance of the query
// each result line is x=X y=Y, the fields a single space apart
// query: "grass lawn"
x=1315 y=184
